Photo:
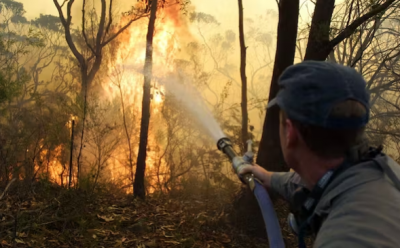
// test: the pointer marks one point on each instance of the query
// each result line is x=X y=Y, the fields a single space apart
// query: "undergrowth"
x=46 y=215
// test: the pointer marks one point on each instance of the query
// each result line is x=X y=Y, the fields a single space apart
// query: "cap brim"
x=272 y=103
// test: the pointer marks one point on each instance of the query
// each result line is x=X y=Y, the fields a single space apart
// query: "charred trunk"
x=270 y=154
x=84 y=102
x=71 y=153
x=139 y=188
x=319 y=47
x=243 y=77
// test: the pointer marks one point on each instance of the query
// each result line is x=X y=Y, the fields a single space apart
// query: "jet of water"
x=188 y=95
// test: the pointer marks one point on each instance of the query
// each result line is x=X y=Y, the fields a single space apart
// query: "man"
x=344 y=194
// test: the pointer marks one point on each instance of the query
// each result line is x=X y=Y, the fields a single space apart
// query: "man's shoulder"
x=361 y=177
x=364 y=212
x=362 y=218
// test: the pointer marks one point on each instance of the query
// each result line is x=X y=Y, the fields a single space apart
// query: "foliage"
x=101 y=140
x=9 y=90
x=49 y=22
x=35 y=110
x=15 y=8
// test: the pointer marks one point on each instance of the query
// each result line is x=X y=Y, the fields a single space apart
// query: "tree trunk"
x=84 y=96
x=128 y=135
x=270 y=154
x=243 y=77
x=318 y=47
x=71 y=153
x=139 y=189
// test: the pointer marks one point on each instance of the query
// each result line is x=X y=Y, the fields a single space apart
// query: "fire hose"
x=264 y=201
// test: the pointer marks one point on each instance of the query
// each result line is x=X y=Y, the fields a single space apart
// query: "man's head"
x=324 y=108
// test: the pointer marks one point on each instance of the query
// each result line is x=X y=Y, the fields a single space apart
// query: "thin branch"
x=69 y=7
x=377 y=131
x=349 y=30
x=122 y=30
x=83 y=28
x=110 y=19
x=67 y=23
x=366 y=43
x=61 y=14
x=62 y=5
x=350 y=12
x=6 y=189
x=391 y=104
x=101 y=27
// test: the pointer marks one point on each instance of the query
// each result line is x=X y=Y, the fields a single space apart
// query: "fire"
x=157 y=98
x=52 y=166
x=52 y=163
x=126 y=79
x=125 y=82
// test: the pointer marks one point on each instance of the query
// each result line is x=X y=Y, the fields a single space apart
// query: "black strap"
x=316 y=193
x=389 y=172
x=314 y=197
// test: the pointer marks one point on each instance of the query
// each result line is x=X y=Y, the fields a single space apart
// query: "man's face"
x=288 y=138
x=282 y=136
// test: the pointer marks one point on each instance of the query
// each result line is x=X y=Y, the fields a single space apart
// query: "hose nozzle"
x=225 y=145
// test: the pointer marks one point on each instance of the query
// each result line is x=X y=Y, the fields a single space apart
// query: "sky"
x=225 y=10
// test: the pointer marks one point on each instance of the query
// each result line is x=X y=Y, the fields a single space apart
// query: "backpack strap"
x=390 y=168
x=310 y=219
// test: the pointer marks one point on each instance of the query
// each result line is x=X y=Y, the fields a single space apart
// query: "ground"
x=55 y=217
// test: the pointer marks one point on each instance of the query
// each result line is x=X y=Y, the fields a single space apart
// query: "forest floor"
x=50 y=216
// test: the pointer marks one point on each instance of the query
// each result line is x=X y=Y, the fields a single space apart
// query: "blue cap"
x=309 y=90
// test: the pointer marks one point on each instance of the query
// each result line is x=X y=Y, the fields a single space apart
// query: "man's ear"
x=292 y=135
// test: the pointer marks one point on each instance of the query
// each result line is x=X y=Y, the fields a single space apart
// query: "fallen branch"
x=5 y=191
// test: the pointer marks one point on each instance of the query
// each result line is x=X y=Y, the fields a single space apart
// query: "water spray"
x=264 y=201
x=192 y=100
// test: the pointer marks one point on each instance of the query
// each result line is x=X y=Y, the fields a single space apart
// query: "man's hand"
x=260 y=173
x=245 y=168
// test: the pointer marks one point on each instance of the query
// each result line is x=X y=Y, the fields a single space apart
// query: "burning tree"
x=96 y=38
x=138 y=186
x=153 y=6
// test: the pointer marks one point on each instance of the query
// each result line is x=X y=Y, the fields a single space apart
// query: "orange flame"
x=126 y=77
